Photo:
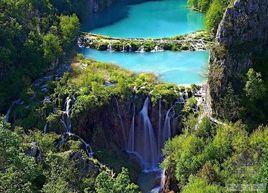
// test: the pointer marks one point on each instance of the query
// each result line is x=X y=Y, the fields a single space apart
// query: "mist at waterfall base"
x=149 y=19
x=174 y=67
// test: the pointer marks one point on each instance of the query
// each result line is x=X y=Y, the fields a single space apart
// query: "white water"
x=166 y=132
x=67 y=124
x=14 y=103
x=66 y=119
x=148 y=146
x=144 y=141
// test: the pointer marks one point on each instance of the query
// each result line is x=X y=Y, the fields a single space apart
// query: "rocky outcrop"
x=242 y=34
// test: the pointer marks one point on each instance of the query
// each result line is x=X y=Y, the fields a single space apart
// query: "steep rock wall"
x=242 y=34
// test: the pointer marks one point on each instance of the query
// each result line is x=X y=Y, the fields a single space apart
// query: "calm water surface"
x=151 y=19
x=173 y=67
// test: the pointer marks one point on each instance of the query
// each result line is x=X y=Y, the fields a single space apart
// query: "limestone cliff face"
x=242 y=34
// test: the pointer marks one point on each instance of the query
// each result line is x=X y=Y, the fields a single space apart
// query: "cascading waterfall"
x=45 y=128
x=145 y=143
x=110 y=47
x=147 y=146
x=7 y=116
x=129 y=48
x=141 y=49
x=66 y=121
x=166 y=131
x=123 y=48
x=143 y=140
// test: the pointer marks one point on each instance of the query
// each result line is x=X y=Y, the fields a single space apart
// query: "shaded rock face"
x=242 y=35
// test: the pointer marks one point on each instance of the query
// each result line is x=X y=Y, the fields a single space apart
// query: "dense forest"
x=41 y=153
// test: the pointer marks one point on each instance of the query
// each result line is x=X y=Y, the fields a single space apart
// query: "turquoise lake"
x=173 y=67
x=151 y=19
x=154 y=19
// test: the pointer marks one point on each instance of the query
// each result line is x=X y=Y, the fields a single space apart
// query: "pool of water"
x=150 y=19
x=174 y=67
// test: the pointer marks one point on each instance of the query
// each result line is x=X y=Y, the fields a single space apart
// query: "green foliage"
x=223 y=155
x=69 y=26
x=199 y=185
x=232 y=105
x=214 y=10
x=119 y=184
x=18 y=171
x=54 y=170
x=33 y=38
x=52 y=48
x=254 y=87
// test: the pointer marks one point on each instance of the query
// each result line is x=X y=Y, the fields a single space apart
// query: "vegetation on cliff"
x=214 y=10
x=218 y=158
x=34 y=37
x=36 y=162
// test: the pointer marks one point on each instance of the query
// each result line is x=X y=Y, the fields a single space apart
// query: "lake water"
x=175 y=67
x=151 y=19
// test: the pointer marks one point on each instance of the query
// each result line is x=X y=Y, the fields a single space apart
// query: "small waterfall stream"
x=67 y=124
x=66 y=119
x=14 y=103
x=166 y=131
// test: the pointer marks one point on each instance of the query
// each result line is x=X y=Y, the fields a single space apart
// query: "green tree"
x=69 y=26
x=254 y=88
x=105 y=183
x=199 y=185
x=52 y=48
x=19 y=172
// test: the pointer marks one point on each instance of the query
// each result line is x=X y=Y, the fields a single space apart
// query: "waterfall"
x=129 y=48
x=155 y=49
x=119 y=114
x=110 y=47
x=166 y=131
x=45 y=128
x=147 y=146
x=141 y=49
x=131 y=136
x=145 y=142
x=7 y=116
x=123 y=49
x=66 y=119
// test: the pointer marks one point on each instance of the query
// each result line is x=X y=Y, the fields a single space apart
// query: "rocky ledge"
x=194 y=41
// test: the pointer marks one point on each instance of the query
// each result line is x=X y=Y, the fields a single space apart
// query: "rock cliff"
x=242 y=35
